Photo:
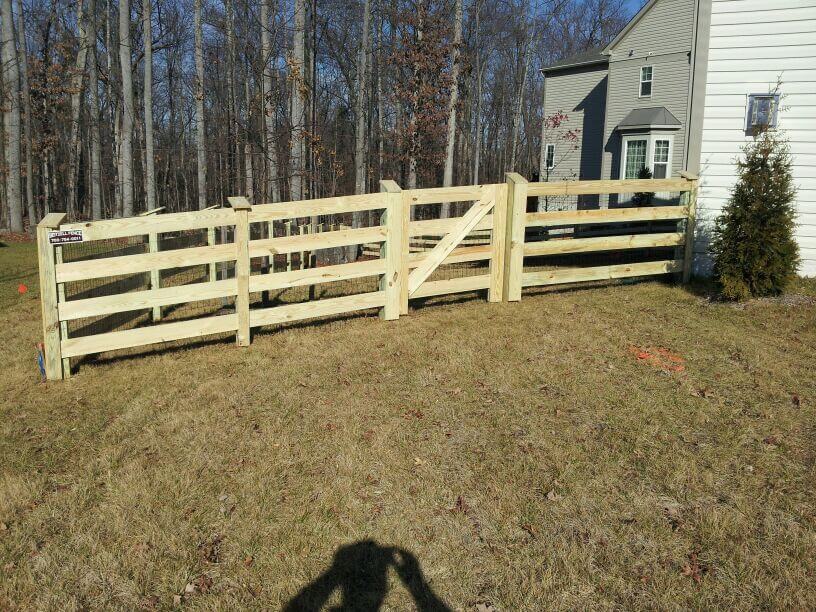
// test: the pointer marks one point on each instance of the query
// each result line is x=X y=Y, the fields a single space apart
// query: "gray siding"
x=581 y=95
x=662 y=39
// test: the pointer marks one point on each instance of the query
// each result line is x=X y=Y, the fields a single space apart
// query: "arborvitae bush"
x=754 y=251
x=643 y=198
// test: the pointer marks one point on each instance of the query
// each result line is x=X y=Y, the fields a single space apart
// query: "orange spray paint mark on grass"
x=21 y=289
x=659 y=358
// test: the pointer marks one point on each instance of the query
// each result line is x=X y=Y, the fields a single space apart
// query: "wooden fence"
x=493 y=231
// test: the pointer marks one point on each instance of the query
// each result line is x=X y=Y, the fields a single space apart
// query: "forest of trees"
x=113 y=107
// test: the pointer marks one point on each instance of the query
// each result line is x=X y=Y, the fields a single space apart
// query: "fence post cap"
x=52 y=220
x=389 y=186
x=515 y=177
x=688 y=176
x=239 y=203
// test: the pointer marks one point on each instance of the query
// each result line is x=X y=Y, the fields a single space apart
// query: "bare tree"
x=11 y=119
x=127 y=108
x=199 y=108
x=447 y=179
x=26 y=99
x=93 y=116
x=272 y=189
x=150 y=159
x=297 y=66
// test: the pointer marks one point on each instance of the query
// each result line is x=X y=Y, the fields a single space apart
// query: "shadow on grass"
x=359 y=571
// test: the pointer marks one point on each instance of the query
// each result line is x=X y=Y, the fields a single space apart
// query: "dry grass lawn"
x=630 y=446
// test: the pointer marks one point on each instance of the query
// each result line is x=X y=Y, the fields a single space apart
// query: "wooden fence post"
x=498 y=238
x=153 y=247
x=691 y=202
x=394 y=278
x=241 y=206
x=514 y=242
x=48 y=296
x=406 y=250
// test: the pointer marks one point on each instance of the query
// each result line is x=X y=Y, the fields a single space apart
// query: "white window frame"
x=650 y=81
x=750 y=106
x=549 y=156
x=650 y=142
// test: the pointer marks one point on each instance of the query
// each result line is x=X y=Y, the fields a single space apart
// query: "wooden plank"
x=688 y=251
x=48 y=297
x=152 y=211
x=498 y=245
x=241 y=206
x=603 y=243
x=453 y=285
x=135 y=226
x=319 y=308
x=391 y=250
x=155 y=275
x=66 y=362
x=313 y=276
x=139 y=300
x=607 y=186
x=577 y=275
x=517 y=192
x=132 y=264
x=466 y=223
x=440 y=227
x=604 y=215
x=444 y=194
x=460 y=255
x=406 y=252
x=211 y=242
x=314 y=208
x=141 y=336
x=307 y=242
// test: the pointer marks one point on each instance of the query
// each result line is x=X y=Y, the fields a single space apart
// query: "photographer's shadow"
x=360 y=572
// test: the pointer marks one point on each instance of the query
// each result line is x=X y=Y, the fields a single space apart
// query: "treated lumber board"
x=517 y=193
x=440 y=227
x=406 y=252
x=134 y=226
x=438 y=195
x=132 y=264
x=313 y=276
x=313 y=208
x=241 y=206
x=319 y=308
x=48 y=296
x=139 y=300
x=688 y=250
x=445 y=246
x=391 y=251
x=607 y=186
x=604 y=215
x=499 y=245
x=453 y=285
x=460 y=255
x=155 y=275
x=577 y=275
x=141 y=336
x=310 y=242
x=603 y=243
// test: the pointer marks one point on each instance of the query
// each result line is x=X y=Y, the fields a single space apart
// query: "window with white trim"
x=652 y=151
x=646 y=80
x=549 y=158
x=763 y=110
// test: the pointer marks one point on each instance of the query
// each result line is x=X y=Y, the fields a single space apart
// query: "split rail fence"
x=495 y=236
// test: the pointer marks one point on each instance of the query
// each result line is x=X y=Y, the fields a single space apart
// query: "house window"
x=550 y=157
x=634 y=157
x=660 y=162
x=652 y=151
x=762 y=111
x=646 y=81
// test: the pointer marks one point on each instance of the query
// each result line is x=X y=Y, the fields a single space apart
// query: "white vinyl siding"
x=752 y=43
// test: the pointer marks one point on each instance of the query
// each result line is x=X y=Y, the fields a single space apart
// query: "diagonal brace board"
x=445 y=246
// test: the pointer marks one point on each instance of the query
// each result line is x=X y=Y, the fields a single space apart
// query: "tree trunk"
x=525 y=64
x=199 y=108
x=128 y=107
x=76 y=106
x=271 y=189
x=26 y=98
x=11 y=119
x=233 y=131
x=447 y=179
x=93 y=115
x=249 y=178
x=150 y=159
x=298 y=102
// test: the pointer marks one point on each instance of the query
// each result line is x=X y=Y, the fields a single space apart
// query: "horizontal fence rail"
x=256 y=250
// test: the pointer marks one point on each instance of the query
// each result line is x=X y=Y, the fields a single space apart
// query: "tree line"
x=113 y=107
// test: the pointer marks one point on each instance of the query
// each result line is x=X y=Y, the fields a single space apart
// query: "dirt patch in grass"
x=474 y=455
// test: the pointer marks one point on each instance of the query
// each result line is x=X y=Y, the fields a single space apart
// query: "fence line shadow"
x=359 y=571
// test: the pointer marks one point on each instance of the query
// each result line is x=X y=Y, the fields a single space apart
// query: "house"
x=681 y=88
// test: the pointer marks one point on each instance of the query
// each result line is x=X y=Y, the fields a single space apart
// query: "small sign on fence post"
x=65 y=236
